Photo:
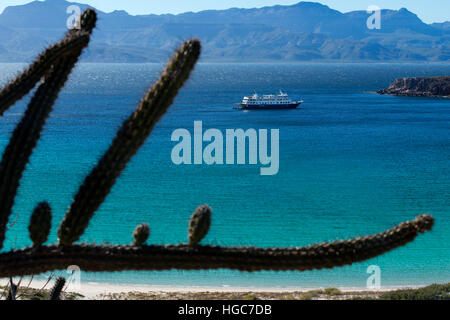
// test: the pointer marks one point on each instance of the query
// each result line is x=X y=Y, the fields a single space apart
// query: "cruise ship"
x=279 y=101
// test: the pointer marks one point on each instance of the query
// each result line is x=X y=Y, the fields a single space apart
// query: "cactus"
x=12 y=290
x=127 y=142
x=40 y=224
x=54 y=66
x=141 y=234
x=186 y=257
x=199 y=224
x=20 y=86
x=28 y=131
x=55 y=292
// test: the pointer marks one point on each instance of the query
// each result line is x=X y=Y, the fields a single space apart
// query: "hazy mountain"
x=442 y=25
x=301 y=32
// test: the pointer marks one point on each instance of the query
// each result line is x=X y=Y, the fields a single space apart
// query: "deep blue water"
x=351 y=163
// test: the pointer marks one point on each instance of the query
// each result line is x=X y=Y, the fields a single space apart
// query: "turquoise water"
x=351 y=163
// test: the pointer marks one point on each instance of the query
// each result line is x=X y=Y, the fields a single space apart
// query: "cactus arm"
x=187 y=257
x=40 y=223
x=55 y=292
x=54 y=67
x=127 y=142
x=24 y=82
x=27 y=133
x=12 y=290
x=199 y=224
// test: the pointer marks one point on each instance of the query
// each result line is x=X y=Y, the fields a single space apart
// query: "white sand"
x=91 y=290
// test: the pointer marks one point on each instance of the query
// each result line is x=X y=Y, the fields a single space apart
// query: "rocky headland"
x=420 y=87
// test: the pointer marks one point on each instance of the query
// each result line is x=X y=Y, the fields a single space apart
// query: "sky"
x=428 y=10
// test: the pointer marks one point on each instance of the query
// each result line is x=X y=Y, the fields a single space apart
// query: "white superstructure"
x=270 y=101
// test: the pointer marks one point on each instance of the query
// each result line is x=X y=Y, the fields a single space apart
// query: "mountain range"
x=306 y=31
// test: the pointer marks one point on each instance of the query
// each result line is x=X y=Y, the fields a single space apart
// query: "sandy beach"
x=100 y=291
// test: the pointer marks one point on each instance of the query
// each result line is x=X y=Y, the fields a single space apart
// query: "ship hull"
x=269 y=106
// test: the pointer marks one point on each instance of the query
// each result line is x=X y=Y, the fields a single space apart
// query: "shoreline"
x=97 y=290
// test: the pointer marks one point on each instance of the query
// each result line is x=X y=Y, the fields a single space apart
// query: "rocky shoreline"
x=435 y=87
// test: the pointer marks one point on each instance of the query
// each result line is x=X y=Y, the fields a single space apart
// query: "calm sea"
x=351 y=163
